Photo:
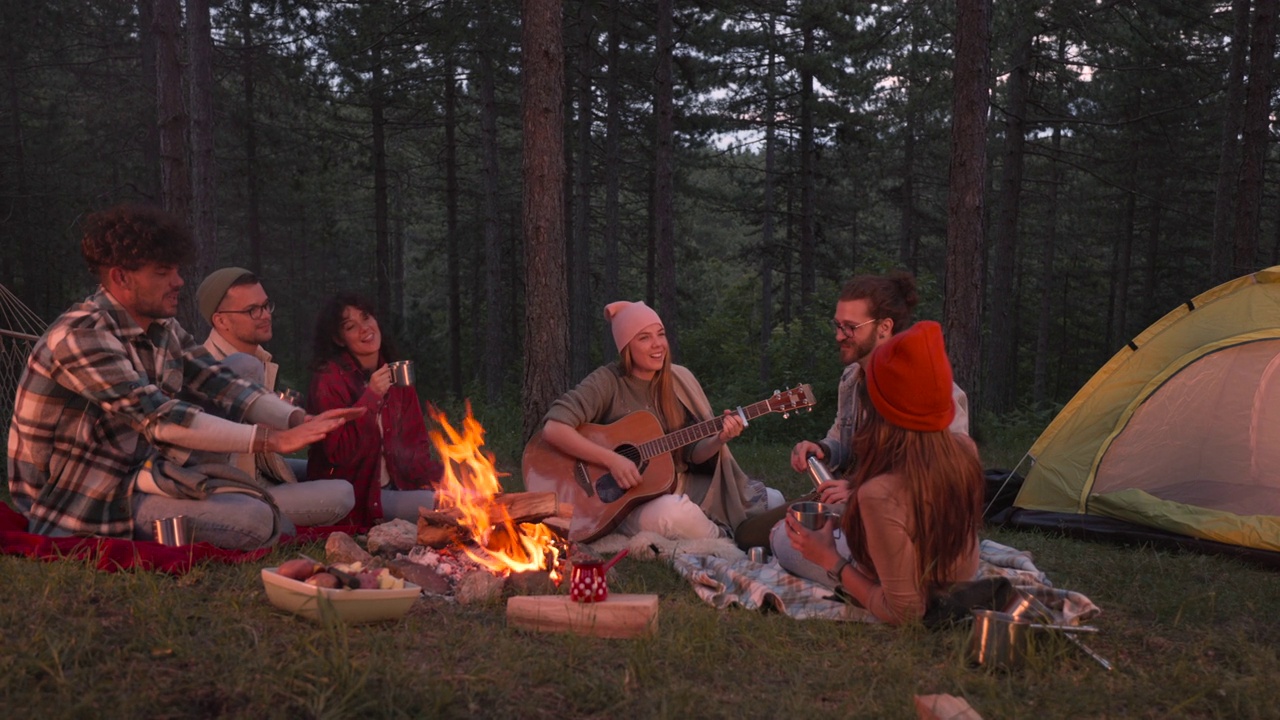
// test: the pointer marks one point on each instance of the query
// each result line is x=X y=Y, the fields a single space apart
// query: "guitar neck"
x=692 y=434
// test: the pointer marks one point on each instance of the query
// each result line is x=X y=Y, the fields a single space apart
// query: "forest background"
x=731 y=163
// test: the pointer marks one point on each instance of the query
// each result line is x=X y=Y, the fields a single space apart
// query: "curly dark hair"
x=329 y=323
x=130 y=236
x=888 y=296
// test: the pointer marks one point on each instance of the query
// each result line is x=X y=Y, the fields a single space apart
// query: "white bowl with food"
x=351 y=606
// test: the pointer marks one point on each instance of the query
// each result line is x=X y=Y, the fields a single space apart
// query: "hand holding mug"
x=380 y=380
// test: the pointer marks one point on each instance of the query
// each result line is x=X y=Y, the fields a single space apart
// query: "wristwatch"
x=835 y=572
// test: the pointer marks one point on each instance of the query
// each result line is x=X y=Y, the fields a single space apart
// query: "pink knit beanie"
x=628 y=319
x=909 y=379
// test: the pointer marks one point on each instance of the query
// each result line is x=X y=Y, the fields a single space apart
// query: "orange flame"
x=470 y=484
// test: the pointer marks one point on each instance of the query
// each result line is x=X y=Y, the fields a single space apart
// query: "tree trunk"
x=253 y=219
x=496 y=340
x=580 y=305
x=381 y=233
x=546 y=357
x=453 y=260
x=151 y=183
x=908 y=243
x=171 y=113
x=204 y=221
x=663 y=180
x=766 y=229
x=1122 y=259
x=962 y=306
x=1048 y=278
x=612 y=169
x=806 y=152
x=1220 y=246
x=1002 y=367
x=1257 y=111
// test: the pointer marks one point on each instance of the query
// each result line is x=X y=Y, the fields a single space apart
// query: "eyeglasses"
x=254 y=311
x=848 y=329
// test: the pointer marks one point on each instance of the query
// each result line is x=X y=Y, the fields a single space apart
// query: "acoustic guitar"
x=599 y=503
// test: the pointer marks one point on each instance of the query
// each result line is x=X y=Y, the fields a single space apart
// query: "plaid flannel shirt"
x=94 y=390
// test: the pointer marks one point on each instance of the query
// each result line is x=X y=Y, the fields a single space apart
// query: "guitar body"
x=598 y=503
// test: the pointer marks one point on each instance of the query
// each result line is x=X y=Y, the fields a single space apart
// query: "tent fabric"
x=1180 y=429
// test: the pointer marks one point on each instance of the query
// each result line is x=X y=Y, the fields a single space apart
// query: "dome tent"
x=1177 y=437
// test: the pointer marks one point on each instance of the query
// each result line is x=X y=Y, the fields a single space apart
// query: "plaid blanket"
x=722 y=576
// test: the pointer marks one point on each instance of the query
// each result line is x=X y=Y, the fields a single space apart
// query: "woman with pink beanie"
x=911 y=526
x=712 y=494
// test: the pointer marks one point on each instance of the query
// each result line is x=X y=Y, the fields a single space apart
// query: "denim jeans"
x=242 y=522
x=316 y=502
x=793 y=562
x=404 y=504
x=228 y=520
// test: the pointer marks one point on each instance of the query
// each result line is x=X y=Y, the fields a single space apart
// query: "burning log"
x=439 y=528
x=519 y=507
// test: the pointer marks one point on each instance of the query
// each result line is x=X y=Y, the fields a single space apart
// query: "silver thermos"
x=818 y=471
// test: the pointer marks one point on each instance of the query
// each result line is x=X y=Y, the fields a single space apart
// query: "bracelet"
x=260 y=439
x=838 y=571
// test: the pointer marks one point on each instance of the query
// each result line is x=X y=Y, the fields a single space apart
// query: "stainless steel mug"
x=811 y=514
x=998 y=640
x=174 y=531
x=402 y=373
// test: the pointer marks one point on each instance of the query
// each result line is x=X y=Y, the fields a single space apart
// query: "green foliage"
x=1133 y=94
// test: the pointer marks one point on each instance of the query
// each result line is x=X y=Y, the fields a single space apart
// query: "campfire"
x=503 y=533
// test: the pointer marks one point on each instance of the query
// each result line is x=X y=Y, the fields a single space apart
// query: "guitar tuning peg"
x=786 y=415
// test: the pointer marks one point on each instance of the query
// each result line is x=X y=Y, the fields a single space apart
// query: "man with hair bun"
x=871 y=309
x=909 y=533
x=119 y=412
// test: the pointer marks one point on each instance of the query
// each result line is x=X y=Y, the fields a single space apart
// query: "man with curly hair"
x=121 y=418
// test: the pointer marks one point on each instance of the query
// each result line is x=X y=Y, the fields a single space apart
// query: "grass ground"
x=1191 y=636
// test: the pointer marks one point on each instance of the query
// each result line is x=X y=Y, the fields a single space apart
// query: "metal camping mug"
x=758 y=555
x=811 y=514
x=402 y=373
x=998 y=640
x=173 y=531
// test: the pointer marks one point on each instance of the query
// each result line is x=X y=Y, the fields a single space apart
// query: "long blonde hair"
x=662 y=388
x=944 y=485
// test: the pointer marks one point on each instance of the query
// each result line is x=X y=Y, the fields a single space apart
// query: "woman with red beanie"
x=911 y=527
x=712 y=494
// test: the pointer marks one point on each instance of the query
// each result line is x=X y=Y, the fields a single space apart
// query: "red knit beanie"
x=909 y=379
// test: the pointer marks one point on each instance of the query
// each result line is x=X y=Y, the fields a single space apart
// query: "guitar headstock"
x=790 y=400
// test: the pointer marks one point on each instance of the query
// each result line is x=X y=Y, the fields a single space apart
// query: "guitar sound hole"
x=607 y=488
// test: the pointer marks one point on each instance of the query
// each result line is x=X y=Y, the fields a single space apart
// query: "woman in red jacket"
x=385 y=454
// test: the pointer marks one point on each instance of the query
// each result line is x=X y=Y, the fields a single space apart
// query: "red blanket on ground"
x=114 y=554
